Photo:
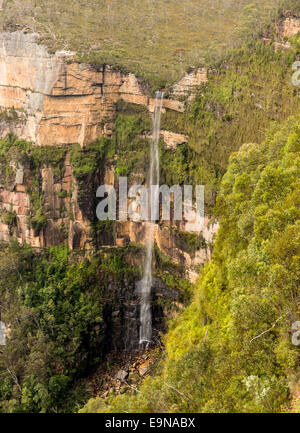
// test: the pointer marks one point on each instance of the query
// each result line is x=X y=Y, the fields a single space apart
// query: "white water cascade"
x=145 y=284
x=2 y=334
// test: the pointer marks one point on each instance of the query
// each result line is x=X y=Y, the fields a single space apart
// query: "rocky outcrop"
x=121 y=313
x=288 y=27
x=172 y=139
x=2 y=334
x=190 y=257
x=68 y=219
x=68 y=215
x=64 y=218
x=50 y=99
x=122 y=371
x=189 y=83
x=59 y=101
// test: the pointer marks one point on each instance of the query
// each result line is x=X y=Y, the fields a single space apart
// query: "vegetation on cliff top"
x=156 y=39
x=251 y=88
x=231 y=350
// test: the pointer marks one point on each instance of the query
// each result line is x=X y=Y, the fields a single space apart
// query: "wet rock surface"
x=122 y=314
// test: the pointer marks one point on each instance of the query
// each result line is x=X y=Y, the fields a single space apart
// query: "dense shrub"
x=231 y=349
x=53 y=302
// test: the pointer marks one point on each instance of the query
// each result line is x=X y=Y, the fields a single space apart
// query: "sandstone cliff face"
x=172 y=139
x=54 y=100
x=69 y=220
x=122 y=316
x=189 y=83
x=60 y=101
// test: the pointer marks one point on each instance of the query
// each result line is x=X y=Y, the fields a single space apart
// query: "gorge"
x=49 y=193
x=129 y=315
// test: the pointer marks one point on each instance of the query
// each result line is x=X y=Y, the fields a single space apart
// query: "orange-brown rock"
x=61 y=101
x=166 y=242
x=57 y=209
x=172 y=139
x=288 y=27
x=144 y=368
x=189 y=83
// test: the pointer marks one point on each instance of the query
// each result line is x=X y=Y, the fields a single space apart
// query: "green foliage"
x=12 y=153
x=114 y=263
x=251 y=88
x=48 y=156
x=103 y=233
x=132 y=149
x=85 y=161
x=9 y=218
x=15 y=153
x=9 y=115
x=54 y=304
x=13 y=149
x=38 y=221
x=157 y=40
x=231 y=350
x=62 y=194
x=173 y=275
x=189 y=242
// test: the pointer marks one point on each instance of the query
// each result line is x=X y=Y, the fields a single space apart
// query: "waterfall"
x=145 y=284
x=2 y=334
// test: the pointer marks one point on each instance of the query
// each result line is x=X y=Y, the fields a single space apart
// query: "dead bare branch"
x=179 y=392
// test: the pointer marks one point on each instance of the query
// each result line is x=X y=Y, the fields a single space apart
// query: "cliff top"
x=157 y=39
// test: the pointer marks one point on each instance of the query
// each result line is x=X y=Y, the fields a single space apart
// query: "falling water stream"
x=145 y=285
x=2 y=334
